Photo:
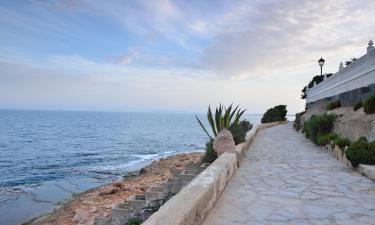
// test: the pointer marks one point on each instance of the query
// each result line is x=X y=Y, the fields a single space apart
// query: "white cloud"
x=262 y=53
x=269 y=36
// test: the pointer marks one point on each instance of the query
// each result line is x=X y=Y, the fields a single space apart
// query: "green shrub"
x=134 y=221
x=369 y=105
x=371 y=148
x=342 y=142
x=323 y=140
x=239 y=131
x=210 y=155
x=357 y=106
x=326 y=138
x=361 y=152
x=297 y=121
x=277 y=113
x=318 y=126
x=223 y=118
x=333 y=105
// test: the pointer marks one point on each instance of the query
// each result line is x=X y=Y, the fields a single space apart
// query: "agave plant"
x=223 y=118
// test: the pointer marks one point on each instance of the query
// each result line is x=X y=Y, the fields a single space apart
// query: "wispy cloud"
x=172 y=49
x=282 y=34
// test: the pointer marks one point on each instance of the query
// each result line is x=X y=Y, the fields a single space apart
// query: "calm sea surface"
x=46 y=156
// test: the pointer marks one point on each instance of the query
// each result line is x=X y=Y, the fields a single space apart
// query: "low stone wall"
x=337 y=153
x=192 y=204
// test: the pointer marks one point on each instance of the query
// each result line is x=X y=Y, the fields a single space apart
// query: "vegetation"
x=317 y=79
x=239 y=131
x=277 y=113
x=369 y=105
x=347 y=63
x=357 y=106
x=342 y=142
x=210 y=155
x=297 y=121
x=223 y=118
x=326 y=138
x=134 y=221
x=361 y=152
x=333 y=105
x=318 y=126
x=304 y=95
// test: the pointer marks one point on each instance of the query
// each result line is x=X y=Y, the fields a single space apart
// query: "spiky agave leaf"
x=211 y=121
x=233 y=113
x=239 y=114
x=200 y=123
x=218 y=118
x=226 y=116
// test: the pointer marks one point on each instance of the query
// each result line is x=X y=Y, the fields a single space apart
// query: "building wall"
x=350 y=84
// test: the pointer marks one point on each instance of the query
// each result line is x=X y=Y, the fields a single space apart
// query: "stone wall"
x=347 y=99
x=192 y=204
x=350 y=84
x=338 y=153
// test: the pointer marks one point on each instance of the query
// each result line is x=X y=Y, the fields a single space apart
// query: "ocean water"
x=47 y=156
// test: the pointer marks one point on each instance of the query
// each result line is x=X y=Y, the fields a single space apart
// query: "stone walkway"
x=285 y=179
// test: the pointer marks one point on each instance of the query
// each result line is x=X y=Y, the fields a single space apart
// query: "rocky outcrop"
x=142 y=206
x=224 y=142
x=101 y=202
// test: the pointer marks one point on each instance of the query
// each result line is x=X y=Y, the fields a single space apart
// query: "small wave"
x=82 y=154
x=193 y=145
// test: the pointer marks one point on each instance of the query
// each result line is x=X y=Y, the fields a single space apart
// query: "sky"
x=173 y=55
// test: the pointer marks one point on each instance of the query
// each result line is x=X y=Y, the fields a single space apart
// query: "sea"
x=48 y=156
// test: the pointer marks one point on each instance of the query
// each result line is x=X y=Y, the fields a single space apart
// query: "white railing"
x=359 y=73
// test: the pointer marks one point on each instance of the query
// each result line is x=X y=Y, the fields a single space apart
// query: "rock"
x=80 y=215
x=224 y=142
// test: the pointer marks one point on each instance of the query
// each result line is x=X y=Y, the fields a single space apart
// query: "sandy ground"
x=86 y=206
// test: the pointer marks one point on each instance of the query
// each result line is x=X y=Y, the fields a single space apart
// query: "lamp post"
x=321 y=63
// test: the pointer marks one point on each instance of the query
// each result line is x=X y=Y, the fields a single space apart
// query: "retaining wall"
x=337 y=153
x=192 y=204
x=347 y=82
x=347 y=99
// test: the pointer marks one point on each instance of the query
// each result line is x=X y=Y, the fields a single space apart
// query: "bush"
x=134 y=221
x=357 y=106
x=223 y=118
x=210 y=155
x=277 y=113
x=342 y=142
x=239 y=131
x=369 y=105
x=318 y=126
x=297 y=121
x=333 y=105
x=361 y=152
x=325 y=139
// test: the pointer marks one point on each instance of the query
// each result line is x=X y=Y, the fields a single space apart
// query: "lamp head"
x=321 y=62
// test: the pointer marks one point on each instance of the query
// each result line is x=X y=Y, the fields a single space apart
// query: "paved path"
x=284 y=179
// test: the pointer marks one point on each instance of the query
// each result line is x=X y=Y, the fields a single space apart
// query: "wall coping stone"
x=193 y=203
x=337 y=153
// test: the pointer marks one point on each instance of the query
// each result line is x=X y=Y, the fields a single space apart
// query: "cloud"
x=176 y=53
x=257 y=39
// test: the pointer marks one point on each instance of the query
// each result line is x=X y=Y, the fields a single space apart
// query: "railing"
x=359 y=73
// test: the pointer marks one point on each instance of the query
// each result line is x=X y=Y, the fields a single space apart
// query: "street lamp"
x=321 y=63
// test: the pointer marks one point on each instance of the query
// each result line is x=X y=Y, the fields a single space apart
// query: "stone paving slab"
x=286 y=179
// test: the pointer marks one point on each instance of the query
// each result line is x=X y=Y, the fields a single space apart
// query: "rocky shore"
x=85 y=207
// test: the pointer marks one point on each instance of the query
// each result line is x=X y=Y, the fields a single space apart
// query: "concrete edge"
x=193 y=203
x=337 y=153
x=367 y=170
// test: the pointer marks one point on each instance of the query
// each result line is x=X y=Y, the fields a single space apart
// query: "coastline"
x=84 y=207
